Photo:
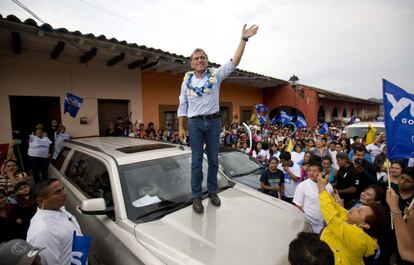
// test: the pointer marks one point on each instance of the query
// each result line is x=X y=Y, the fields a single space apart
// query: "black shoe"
x=197 y=205
x=215 y=200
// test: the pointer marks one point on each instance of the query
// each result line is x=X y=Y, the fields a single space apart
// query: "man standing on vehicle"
x=199 y=101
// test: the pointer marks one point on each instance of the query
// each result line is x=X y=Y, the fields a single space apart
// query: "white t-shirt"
x=290 y=185
x=59 y=138
x=39 y=147
x=375 y=150
x=297 y=157
x=382 y=176
x=54 y=231
x=307 y=197
x=262 y=155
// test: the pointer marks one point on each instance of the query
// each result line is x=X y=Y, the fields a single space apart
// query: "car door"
x=88 y=177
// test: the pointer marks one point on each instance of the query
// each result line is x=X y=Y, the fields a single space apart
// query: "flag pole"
x=389 y=187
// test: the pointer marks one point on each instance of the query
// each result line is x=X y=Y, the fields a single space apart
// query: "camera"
x=359 y=161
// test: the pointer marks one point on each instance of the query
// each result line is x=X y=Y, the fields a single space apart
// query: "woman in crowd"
x=328 y=169
x=11 y=176
x=372 y=194
x=39 y=145
x=273 y=152
x=259 y=153
x=351 y=235
x=406 y=187
x=297 y=154
x=320 y=149
x=60 y=136
x=395 y=170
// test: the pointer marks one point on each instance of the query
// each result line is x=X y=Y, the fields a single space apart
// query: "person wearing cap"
x=272 y=179
x=52 y=226
x=19 y=252
x=346 y=179
x=199 y=101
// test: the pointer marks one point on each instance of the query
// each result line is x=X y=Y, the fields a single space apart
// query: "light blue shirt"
x=192 y=105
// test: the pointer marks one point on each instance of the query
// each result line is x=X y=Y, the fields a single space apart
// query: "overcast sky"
x=341 y=46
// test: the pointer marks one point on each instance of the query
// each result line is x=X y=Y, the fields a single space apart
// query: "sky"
x=341 y=46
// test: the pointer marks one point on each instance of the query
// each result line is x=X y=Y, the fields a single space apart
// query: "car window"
x=361 y=131
x=236 y=163
x=155 y=181
x=58 y=162
x=90 y=176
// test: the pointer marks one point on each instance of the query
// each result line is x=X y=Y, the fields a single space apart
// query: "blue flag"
x=285 y=118
x=352 y=120
x=324 y=128
x=261 y=108
x=399 y=121
x=80 y=249
x=72 y=104
x=301 y=122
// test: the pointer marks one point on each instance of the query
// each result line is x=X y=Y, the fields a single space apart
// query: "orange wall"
x=284 y=96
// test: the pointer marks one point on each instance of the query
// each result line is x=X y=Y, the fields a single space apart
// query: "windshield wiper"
x=170 y=207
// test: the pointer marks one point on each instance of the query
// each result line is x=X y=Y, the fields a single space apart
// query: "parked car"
x=240 y=167
x=360 y=129
x=133 y=197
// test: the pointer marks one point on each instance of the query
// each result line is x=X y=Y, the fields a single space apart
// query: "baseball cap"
x=18 y=252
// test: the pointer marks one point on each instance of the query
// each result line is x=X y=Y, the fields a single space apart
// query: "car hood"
x=245 y=230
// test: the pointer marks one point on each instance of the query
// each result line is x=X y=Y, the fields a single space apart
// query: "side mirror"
x=95 y=206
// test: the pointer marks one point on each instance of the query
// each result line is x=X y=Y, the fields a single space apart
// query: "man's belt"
x=207 y=117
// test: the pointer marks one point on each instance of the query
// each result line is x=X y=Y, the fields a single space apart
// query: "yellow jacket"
x=349 y=243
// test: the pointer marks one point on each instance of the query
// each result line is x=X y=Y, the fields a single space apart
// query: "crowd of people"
x=350 y=193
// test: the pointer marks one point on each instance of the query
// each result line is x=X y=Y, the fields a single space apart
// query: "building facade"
x=40 y=64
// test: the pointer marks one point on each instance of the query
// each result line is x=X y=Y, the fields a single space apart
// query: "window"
x=90 y=176
x=246 y=115
x=58 y=162
x=170 y=117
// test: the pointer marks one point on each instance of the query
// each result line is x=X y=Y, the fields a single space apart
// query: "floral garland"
x=205 y=88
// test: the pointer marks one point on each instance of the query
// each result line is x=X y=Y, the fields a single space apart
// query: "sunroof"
x=143 y=148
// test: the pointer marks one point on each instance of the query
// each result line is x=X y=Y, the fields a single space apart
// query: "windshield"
x=150 y=185
x=237 y=163
x=361 y=131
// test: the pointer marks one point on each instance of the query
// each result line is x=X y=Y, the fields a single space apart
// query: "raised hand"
x=249 y=32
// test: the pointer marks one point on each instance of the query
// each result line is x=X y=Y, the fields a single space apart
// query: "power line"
x=129 y=20
x=43 y=22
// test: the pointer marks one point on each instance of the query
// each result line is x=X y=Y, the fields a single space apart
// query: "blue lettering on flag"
x=80 y=249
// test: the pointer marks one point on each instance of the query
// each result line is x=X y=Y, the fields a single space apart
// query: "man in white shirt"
x=291 y=173
x=376 y=147
x=307 y=197
x=52 y=226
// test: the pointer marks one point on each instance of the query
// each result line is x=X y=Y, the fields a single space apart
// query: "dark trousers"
x=286 y=199
x=39 y=167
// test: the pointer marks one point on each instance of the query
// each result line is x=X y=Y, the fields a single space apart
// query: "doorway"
x=109 y=110
x=26 y=112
